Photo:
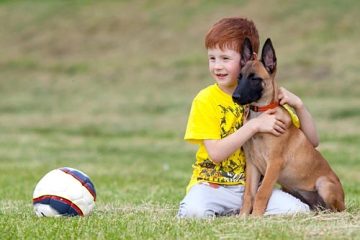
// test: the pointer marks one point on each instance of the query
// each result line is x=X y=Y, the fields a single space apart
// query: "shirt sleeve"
x=202 y=123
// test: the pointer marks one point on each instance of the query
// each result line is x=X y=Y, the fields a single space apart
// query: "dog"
x=289 y=159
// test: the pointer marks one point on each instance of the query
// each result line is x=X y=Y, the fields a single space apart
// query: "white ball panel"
x=43 y=210
x=64 y=185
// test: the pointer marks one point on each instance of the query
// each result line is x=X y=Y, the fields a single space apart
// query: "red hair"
x=231 y=33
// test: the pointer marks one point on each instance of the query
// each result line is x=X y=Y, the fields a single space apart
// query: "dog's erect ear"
x=268 y=57
x=246 y=52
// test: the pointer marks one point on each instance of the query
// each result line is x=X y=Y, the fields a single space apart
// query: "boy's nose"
x=218 y=65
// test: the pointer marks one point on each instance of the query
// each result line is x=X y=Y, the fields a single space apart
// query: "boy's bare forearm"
x=307 y=124
x=219 y=150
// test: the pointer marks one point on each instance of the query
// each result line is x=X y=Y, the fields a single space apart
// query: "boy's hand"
x=267 y=122
x=288 y=97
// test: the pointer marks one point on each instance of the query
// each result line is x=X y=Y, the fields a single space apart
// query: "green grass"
x=106 y=86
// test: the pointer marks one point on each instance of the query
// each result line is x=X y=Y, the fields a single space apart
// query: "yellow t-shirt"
x=214 y=115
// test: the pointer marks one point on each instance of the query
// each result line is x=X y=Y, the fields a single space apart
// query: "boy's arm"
x=220 y=149
x=307 y=122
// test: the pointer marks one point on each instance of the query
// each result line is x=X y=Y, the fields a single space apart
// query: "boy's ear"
x=246 y=52
x=268 y=57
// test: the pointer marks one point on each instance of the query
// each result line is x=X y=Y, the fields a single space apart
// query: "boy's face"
x=224 y=66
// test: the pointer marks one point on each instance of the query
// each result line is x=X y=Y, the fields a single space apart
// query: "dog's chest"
x=256 y=151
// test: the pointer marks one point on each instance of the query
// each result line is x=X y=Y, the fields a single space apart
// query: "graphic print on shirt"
x=230 y=120
x=226 y=172
x=232 y=169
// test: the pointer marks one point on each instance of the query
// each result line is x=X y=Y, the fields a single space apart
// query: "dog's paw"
x=257 y=213
x=244 y=212
x=243 y=216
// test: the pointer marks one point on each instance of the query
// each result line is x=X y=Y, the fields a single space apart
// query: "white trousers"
x=205 y=201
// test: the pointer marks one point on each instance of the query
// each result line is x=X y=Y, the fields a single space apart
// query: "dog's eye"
x=256 y=81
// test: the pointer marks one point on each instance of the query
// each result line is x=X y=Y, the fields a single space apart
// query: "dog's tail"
x=331 y=191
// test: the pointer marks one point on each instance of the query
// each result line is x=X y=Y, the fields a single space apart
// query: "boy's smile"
x=221 y=76
x=224 y=66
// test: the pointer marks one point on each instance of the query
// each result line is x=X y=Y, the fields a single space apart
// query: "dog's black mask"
x=248 y=90
x=250 y=85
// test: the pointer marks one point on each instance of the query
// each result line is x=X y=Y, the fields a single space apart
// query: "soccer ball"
x=64 y=192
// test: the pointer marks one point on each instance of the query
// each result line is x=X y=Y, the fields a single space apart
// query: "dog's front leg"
x=251 y=185
x=263 y=194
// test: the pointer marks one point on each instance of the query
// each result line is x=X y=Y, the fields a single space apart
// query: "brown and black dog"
x=289 y=159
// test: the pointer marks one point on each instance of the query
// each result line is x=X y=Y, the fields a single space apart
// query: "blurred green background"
x=106 y=87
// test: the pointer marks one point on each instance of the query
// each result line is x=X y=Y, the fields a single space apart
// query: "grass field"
x=106 y=86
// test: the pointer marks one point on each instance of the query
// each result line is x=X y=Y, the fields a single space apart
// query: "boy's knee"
x=284 y=203
x=194 y=211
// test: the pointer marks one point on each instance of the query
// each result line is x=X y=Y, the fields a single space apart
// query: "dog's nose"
x=236 y=97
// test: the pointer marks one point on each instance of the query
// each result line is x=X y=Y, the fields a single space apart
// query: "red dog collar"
x=264 y=108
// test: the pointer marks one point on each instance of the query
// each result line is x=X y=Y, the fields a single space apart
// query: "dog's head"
x=256 y=80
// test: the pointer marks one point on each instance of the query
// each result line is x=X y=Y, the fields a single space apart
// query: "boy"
x=215 y=123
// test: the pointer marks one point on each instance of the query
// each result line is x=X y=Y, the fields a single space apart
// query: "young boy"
x=215 y=123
